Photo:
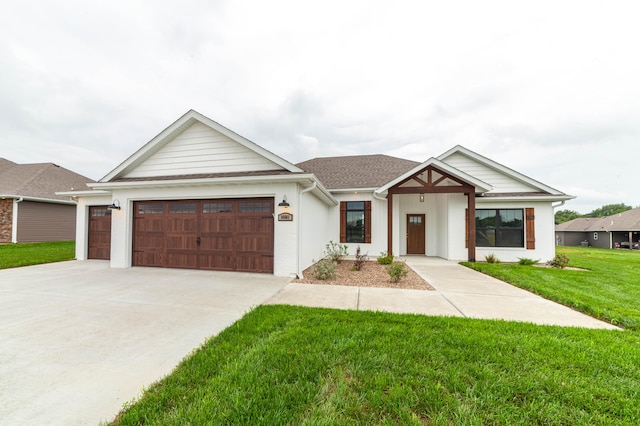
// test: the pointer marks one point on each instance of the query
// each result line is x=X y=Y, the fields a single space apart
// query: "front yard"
x=24 y=254
x=293 y=365
x=609 y=289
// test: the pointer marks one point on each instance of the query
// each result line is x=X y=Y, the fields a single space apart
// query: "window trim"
x=367 y=221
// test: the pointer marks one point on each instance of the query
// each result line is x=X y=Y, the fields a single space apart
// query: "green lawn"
x=291 y=365
x=609 y=289
x=23 y=254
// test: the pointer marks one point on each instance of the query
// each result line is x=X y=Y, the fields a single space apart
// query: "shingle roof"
x=39 y=180
x=620 y=222
x=357 y=171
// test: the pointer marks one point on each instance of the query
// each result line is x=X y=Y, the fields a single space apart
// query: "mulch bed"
x=372 y=274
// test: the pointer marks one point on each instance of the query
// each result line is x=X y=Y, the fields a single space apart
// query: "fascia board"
x=550 y=198
x=37 y=199
x=482 y=186
x=94 y=193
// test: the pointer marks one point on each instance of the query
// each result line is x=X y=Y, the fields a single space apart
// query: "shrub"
x=360 y=259
x=336 y=252
x=397 y=271
x=385 y=258
x=491 y=258
x=560 y=261
x=526 y=261
x=324 y=269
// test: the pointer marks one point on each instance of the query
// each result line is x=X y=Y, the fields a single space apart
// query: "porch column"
x=389 y=223
x=471 y=223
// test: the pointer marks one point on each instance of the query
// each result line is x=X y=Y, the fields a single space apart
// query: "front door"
x=415 y=234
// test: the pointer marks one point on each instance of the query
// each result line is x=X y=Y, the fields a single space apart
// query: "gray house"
x=30 y=210
x=622 y=229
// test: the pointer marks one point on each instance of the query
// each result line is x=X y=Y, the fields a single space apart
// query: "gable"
x=195 y=145
x=500 y=181
x=200 y=149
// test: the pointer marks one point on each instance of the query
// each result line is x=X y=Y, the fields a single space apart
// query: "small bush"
x=336 y=252
x=397 y=271
x=526 y=261
x=491 y=258
x=324 y=269
x=385 y=258
x=360 y=259
x=560 y=261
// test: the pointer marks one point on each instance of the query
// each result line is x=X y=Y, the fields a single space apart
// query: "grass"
x=284 y=365
x=24 y=254
x=609 y=289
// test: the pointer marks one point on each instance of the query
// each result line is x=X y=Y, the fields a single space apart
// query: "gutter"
x=14 y=220
x=311 y=188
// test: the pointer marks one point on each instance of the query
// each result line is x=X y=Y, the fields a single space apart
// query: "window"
x=150 y=209
x=355 y=222
x=500 y=228
x=221 y=207
x=182 y=208
x=100 y=211
x=254 y=207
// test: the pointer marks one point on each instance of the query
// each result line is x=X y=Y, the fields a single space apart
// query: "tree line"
x=604 y=211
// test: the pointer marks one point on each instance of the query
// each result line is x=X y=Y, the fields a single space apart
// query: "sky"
x=548 y=88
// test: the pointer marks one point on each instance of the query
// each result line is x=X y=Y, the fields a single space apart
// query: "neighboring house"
x=30 y=210
x=200 y=196
x=604 y=232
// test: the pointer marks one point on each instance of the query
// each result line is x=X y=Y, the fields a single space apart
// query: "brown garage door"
x=222 y=235
x=99 y=232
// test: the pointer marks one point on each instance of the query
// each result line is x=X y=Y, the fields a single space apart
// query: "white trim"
x=178 y=127
x=38 y=199
x=479 y=185
x=14 y=220
x=499 y=168
x=550 y=198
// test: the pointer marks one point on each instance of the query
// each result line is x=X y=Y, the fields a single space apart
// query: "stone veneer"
x=6 y=220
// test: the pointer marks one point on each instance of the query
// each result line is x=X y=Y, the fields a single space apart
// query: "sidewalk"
x=459 y=292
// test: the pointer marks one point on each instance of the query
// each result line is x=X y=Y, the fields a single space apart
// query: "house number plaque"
x=285 y=217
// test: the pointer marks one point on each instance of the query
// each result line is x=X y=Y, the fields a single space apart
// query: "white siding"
x=544 y=230
x=314 y=216
x=200 y=149
x=501 y=183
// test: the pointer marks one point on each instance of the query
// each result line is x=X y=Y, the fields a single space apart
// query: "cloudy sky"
x=551 y=89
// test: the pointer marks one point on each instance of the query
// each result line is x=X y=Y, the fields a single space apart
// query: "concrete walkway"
x=460 y=292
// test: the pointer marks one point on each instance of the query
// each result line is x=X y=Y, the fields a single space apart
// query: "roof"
x=38 y=180
x=620 y=222
x=357 y=171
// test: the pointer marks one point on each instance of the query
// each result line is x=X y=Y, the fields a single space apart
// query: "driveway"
x=78 y=339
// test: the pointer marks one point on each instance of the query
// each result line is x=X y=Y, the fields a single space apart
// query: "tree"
x=563 y=216
x=608 y=210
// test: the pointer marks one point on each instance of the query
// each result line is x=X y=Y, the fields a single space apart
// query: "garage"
x=218 y=234
x=99 y=244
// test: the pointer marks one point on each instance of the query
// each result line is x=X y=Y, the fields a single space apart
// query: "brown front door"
x=415 y=234
x=99 y=233
x=222 y=235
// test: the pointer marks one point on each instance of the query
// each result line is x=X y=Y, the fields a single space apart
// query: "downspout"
x=311 y=188
x=14 y=220
x=554 y=219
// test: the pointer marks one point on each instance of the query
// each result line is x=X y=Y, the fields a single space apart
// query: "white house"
x=200 y=196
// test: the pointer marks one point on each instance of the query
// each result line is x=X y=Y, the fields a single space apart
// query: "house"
x=200 y=196
x=30 y=210
x=604 y=232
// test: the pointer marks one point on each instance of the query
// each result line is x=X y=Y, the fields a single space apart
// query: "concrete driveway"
x=78 y=339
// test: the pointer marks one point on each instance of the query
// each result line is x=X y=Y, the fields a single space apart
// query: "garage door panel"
x=99 y=235
x=227 y=235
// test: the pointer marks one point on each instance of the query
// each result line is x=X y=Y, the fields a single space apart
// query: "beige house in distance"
x=30 y=209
